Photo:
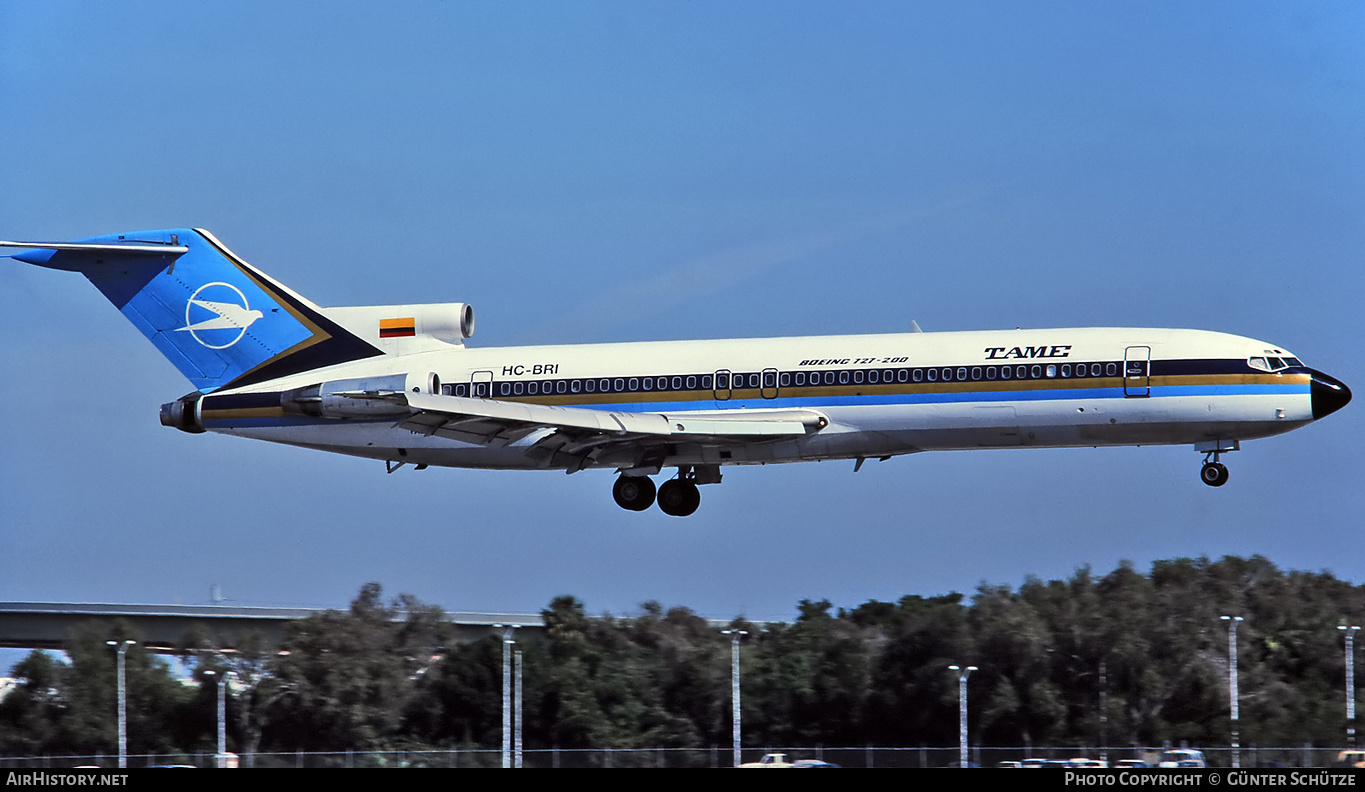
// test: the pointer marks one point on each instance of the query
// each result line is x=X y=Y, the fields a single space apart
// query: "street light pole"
x=1350 y=685
x=122 y=703
x=516 y=743
x=963 y=673
x=734 y=690
x=1232 y=685
x=507 y=694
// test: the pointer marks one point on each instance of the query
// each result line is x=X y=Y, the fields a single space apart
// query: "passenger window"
x=887 y=376
x=904 y=376
x=962 y=374
x=648 y=383
x=533 y=388
x=857 y=377
x=518 y=388
x=1037 y=372
x=786 y=379
x=990 y=372
x=706 y=382
x=618 y=385
x=561 y=386
x=873 y=376
x=843 y=378
x=800 y=378
x=976 y=372
x=692 y=382
x=589 y=385
x=677 y=383
x=753 y=380
x=575 y=386
x=947 y=375
x=1005 y=372
x=634 y=384
x=933 y=375
x=1066 y=369
x=919 y=375
x=461 y=390
x=1021 y=372
x=1111 y=369
x=1051 y=370
x=1094 y=369
x=829 y=377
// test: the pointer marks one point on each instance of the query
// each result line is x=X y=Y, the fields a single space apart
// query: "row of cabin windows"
x=787 y=379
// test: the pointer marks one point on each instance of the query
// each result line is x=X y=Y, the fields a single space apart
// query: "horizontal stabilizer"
x=132 y=248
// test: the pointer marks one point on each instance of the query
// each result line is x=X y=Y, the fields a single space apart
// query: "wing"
x=574 y=437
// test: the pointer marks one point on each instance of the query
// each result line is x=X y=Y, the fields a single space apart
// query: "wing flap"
x=500 y=423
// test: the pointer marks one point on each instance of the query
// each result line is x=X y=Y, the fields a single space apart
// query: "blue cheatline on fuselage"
x=219 y=321
x=849 y=400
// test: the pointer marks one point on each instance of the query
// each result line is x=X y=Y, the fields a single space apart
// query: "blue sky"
x=630 y=171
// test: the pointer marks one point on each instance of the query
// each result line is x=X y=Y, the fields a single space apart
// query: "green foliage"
x=387 y=674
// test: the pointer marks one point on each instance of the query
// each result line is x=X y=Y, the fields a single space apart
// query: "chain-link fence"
x=716 y=756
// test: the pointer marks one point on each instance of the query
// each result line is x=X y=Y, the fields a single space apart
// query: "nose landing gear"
x=1214 y=474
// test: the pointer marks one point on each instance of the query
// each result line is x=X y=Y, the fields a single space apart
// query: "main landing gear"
x=677 y=497
x=635 y=493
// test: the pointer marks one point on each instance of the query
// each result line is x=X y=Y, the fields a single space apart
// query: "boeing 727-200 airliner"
x=397 y=383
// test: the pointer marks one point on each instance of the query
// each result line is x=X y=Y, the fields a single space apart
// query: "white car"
x=1182 y=757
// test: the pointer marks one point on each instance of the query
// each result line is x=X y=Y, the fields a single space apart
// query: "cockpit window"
x=1272 y=363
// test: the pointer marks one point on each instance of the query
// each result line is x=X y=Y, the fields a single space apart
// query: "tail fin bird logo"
x=220 y=322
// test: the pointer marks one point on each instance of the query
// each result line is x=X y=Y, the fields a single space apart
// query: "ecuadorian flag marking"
x=398 y=328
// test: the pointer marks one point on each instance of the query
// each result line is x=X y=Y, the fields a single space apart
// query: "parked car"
x=770 y=760
x=1182 y=757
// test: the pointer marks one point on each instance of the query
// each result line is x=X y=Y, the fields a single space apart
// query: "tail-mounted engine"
x=404 y=329
x=184 y=413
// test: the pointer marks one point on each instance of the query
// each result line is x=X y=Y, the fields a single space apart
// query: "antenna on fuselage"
x=914 y=327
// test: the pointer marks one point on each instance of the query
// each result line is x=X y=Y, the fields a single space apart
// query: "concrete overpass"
x=46 y=625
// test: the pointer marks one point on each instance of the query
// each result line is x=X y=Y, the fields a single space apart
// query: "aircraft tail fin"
x=219 y=320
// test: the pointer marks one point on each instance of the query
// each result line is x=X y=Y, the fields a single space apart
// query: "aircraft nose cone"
x=1329 y=394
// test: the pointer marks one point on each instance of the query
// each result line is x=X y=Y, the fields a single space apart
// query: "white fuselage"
x=883 y=394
